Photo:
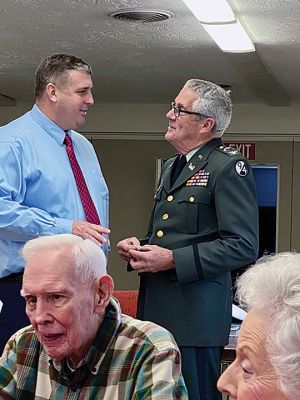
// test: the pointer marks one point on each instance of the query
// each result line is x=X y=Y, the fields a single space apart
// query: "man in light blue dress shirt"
x=38 y=192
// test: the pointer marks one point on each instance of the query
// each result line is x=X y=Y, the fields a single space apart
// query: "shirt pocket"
x=100 y=192
x=195 y=211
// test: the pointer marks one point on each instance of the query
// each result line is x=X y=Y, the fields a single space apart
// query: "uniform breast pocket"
x=195 y=211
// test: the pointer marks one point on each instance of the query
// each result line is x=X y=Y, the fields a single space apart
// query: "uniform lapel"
x=188 y=171
x=197 y=162
x=166 y=176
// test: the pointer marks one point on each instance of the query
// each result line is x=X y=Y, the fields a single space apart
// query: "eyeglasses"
x=177 y=111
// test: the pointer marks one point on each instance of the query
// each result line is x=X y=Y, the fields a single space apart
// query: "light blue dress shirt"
x=38 y=192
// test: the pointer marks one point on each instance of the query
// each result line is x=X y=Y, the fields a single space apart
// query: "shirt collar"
x=48 y=125
x=105 y=335
x=206 y=148
x=190 y=154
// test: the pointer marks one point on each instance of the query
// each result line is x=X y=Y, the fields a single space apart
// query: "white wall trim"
x=161 y=136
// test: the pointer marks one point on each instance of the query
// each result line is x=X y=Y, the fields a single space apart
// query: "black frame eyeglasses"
x=177 y=111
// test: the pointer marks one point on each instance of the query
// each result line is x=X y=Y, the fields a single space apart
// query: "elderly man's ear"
x=207 y=124
x=104 y=290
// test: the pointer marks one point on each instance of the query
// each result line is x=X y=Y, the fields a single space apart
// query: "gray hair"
x=89 y=259
x=272 y=287
x=213 y=101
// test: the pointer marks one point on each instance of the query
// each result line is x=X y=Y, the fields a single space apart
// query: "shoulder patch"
x=230 y=151
x=241 y=168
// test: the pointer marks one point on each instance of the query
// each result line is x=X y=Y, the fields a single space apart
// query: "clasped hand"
x=147 y=258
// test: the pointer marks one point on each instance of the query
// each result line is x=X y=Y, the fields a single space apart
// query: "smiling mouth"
x=51 y=337
x=171 y=126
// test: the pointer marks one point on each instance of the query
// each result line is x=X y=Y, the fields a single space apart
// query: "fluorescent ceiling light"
x=218 y=19
x=211 y=11
x=230 y=38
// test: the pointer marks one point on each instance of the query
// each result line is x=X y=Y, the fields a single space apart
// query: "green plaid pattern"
x=129 y=359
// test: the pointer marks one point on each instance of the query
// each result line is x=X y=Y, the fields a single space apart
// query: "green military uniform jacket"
x=209 y=219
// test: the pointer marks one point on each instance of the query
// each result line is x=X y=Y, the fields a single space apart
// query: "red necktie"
x=87 y=202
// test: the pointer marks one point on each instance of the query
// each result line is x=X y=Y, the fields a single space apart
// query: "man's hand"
x=151 y=258
x=125 y=245
x=90 y=231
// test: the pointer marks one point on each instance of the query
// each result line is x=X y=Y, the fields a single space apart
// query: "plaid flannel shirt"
x=129 y=359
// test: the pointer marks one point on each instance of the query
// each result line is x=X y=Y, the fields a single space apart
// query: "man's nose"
x=226 y=383
x=41 y=313
x=90 y=99
x=170 y=115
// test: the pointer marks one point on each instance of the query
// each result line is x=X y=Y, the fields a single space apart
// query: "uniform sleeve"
x=17 y=221
x=159 y=377
x=237 y=214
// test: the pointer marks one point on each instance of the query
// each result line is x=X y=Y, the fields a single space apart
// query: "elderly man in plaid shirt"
x=79 y=345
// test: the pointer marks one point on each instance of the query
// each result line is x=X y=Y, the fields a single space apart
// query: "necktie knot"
x=178 y=166
x=68 y=140
x=182 y=161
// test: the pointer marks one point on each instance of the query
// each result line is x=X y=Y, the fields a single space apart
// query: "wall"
x=295 y=206
x=129 y=168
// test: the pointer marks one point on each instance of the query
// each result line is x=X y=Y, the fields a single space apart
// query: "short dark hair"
x=56 y=67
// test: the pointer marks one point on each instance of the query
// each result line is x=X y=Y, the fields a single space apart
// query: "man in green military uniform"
x=204 y=224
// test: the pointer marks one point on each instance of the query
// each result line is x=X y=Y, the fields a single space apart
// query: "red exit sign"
x=246 y=149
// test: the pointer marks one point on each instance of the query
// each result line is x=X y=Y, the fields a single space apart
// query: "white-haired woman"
x=267 y=364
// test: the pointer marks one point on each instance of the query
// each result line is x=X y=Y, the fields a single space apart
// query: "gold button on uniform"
x=192 y=199
x=159 y=234
x=165 y=216
x=170 y=198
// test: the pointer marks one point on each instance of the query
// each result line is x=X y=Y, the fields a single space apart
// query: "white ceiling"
x=148 y=62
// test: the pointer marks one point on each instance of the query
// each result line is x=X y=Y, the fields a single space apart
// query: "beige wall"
x=129 y=138
x=129 y=168
x=295 y=221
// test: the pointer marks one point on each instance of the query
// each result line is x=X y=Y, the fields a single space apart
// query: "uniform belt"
x=193 y=241
x=12 y=277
